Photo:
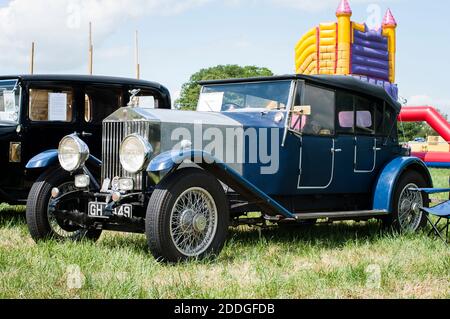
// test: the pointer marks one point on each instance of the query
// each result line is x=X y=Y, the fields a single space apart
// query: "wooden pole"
x=91 y=51
x=32 y=58
x=138 y=66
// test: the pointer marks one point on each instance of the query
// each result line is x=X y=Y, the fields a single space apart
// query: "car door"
x=51 y=113
x=366 y=144
x=316 y=133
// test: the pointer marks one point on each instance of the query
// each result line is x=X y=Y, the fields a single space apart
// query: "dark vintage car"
x=36 y=111
x=294 y=148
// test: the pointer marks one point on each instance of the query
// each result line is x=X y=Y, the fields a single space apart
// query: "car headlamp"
x=72 y=153
x=134 y=153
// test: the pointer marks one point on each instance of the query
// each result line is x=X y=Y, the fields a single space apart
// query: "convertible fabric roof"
x=334 y=81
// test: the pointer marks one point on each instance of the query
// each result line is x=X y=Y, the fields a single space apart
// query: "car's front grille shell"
x=113 y=135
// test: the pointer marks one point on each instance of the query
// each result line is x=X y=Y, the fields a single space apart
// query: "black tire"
x=37 y=210
x=159 y=215
x=392 y=221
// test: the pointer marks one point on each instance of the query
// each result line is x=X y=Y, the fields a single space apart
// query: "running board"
x=343 y=215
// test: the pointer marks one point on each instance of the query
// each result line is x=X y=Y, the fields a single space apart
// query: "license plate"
x=97 y=210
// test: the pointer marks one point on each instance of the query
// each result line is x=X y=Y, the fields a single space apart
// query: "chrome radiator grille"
x=113 y=135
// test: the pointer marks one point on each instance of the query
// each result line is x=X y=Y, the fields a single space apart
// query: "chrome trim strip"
x=375 y=158
x=344 y=214
x=333 y=151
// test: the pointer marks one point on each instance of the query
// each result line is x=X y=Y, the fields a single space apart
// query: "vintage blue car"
x=295 y=148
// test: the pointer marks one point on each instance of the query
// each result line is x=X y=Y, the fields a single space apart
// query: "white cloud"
x=59 y=27
x=425 y=100
x=308 y=5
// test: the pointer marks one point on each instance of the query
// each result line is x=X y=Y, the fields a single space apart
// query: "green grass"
x=327 y=261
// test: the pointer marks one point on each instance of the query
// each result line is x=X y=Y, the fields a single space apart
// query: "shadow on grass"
x=327 y=236
x=12 y=215
x=134 y=243
x=335 y=235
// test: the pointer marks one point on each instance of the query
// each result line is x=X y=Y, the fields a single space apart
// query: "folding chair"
x=441 y=211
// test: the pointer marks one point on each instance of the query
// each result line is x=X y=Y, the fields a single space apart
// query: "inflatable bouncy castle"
x=349 y=48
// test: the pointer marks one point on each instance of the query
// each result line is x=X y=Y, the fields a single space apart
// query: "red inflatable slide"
x=431 y=116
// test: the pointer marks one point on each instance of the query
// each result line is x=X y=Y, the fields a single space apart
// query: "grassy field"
x=343 y=260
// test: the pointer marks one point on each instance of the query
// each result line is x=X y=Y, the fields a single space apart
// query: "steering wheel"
x=230 y=107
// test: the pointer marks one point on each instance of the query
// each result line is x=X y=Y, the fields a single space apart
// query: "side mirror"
x=301 y=110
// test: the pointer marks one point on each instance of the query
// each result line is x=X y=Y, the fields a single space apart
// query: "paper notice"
x=210 y=102
x=9 y=101
x=57 y=107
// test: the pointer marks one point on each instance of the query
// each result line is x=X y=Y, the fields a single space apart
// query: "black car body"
x=36 y=111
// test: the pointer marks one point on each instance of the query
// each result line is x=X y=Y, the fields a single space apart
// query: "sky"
x=179 y=37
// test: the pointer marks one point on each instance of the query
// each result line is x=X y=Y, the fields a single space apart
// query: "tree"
x=190 y=91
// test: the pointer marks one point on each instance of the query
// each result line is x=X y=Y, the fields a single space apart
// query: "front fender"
x=168 y=161
x=50 y=158
x=387 y=181
x=171 y=160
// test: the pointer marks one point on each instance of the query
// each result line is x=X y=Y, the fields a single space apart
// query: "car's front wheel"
x=187 y=217
x=42 y=223
x=407 y=216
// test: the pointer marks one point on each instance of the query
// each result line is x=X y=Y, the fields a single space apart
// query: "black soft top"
x=336 y=81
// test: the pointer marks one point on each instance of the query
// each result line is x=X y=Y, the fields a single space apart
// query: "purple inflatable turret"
x=350 y=48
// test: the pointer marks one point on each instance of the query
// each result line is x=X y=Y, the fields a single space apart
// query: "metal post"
x=32 y=58
x=91 y=51
x=138 y=66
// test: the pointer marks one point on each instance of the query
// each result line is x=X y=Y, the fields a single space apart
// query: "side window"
x=345 y=112
x=321 y=120
x=390 y=122
x=146 y=100
x=50 y=105
x=364 y=109
x=379 y=118
x=87 y=108
x=100 y=102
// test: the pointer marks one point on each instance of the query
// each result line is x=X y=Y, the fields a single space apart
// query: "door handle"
x=336 y=150
x=377 y=149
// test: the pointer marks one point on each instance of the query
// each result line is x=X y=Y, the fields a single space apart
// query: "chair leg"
x=436 y=230
x=448 y=226
x=433 y=225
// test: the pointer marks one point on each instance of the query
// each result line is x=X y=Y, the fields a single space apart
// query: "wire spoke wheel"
x=43 y=223
x=60 y=230
x=193 y=221
x=409 y=205
x=187 y=217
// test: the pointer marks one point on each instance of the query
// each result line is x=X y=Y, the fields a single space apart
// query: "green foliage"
x=409 y=131
x=191 y=90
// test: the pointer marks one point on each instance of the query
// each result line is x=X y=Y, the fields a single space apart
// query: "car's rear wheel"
x=42 y=223
x=407 y=216
x=187 y=217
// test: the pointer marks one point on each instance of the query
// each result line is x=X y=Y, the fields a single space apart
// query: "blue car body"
x=348 y=169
